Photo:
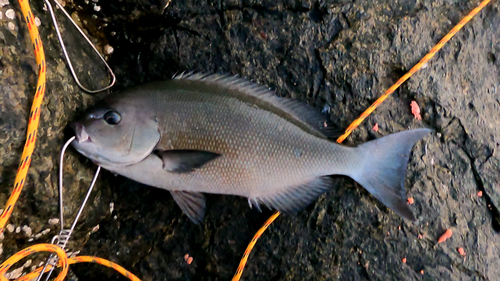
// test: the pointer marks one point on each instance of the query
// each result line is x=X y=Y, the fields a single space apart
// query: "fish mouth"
x=81 y=134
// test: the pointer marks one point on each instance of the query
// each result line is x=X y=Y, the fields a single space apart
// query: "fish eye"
x=112 y=117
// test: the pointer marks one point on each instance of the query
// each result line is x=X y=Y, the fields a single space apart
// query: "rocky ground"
x=337 y=55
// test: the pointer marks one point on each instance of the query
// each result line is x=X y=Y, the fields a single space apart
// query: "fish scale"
x=219 y=134
x=248 y=151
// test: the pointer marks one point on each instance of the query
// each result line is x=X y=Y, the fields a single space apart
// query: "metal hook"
x=65 y=234
x=70 y=65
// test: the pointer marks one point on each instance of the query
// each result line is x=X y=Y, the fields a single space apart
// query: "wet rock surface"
x=336 y=55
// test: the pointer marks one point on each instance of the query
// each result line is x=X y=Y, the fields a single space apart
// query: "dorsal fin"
x=299 y=113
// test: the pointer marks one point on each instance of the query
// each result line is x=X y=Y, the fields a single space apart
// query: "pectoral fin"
x=184 y=161
x=191 y=203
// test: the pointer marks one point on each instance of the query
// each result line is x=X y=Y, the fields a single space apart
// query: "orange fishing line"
x=365 y=114
x=34 y=116
x=31 y=250
x=81 y=259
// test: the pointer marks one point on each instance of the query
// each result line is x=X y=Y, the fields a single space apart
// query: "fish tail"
x=384 y=172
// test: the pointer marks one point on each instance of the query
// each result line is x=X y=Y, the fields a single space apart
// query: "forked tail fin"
x=384 y=171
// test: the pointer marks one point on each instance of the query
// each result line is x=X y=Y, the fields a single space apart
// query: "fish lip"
x=80 y=133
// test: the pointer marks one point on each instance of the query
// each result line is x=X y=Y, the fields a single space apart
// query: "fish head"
x=116 y=132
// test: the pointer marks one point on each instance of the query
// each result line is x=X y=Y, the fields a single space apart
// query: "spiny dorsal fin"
x=299 y=113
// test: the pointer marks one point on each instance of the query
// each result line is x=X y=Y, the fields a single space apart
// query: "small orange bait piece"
x=188 y=259
x=445 y=236
x=461 y=251
x=415 y=110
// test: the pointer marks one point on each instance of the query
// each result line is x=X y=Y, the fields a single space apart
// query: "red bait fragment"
x=188 y=259
x=461 y=251
x=445 y=236
x=415 y=110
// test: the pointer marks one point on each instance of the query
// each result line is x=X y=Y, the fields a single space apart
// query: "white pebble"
x=2 y=236
x=11 y=26
x=30 y=240
x=95 y=229
x=97 y=8
x=10 y=14
x=27 y=263
x=27 y=230
x=111 y=205
x=10 y=228
x=54 y=221
x=4 y=3
x=72 y=254
x=38 y=22
x=46 y=231
x=18 y=229
x=108 y=49
x=14 y=274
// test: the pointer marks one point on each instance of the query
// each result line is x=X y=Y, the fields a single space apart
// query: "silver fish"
x=202 y=133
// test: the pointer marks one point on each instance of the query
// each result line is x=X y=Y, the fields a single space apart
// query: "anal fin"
x=295 y=198
x=191 y=203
